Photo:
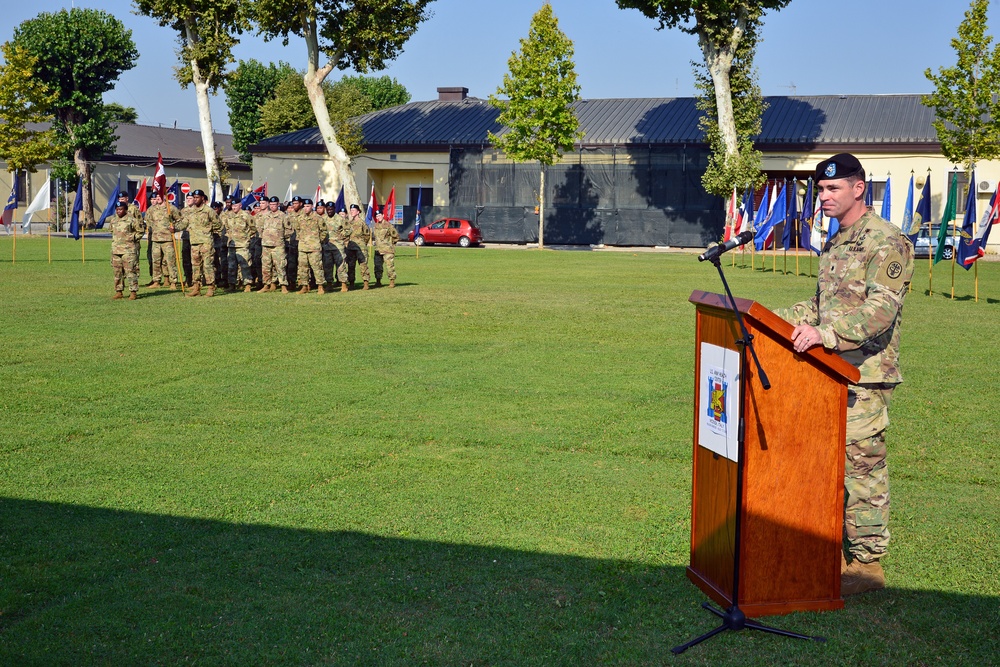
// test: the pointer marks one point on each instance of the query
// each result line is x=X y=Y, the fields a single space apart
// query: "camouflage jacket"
x=335 y=227
x=202 y=223
x=357 y=231
x=864 y=273
x=310 y=230
x=274 y=228
x=385 y=236
x=126 y=231
x=240 y=228
x=158 y=220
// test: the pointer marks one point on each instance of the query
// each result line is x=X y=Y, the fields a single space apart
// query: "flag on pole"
x=816 y=233
x=8 y=210
x=950 y=214
x=870 y=192
x=886 y=200
x=319 y=193
x=760 y=216
x=237 y=193
x=255 y=196
x=765 y=230
x=908 y=208
x=746 y=213
x=389 y=209
x=341 y=204
x=141 y=200
x=288 y=192
x=728 y=231
x=40 y=203
x=922 y=213
x=109 y=210
x=174 y=195
x=805 y=220
x=991 y=216
x=416 y=221
x=791 y=217
x=967 y=251
x=159 y=178
x=74 y=220
x=372 y=205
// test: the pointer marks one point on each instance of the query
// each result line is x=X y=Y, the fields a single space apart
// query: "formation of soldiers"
x=275 y=246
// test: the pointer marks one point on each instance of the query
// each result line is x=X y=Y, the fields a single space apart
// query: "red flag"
x=319 y=193
x=731 y=216
x=389 y=209
x=159 y=178
x=140 y=197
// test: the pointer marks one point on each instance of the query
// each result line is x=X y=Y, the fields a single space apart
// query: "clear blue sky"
x=811 y=47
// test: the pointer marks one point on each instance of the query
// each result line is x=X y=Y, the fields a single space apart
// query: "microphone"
x=735 y=242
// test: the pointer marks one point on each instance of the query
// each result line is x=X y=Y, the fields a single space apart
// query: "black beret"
x=841 y=165
x=120 y=204
x=321 y=204
x=197 y=193
x=274 y=200
x=355 y=207
x=296 y=198
x=123 y=195
x=217 y=204
x=307 y=201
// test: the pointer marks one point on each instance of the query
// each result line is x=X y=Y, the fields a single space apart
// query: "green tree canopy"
x=24 y=99
x=247 y=88
x=119 y=113
x=383 y=91
x=540 y=89
x=965 y=98
x=80 y=53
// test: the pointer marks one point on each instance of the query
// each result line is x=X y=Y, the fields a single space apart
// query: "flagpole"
x=48 y=234
x=976 y=267
x=13 y=252
x=954 y=253
x=83 y=243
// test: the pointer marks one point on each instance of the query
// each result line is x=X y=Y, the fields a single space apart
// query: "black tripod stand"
x=733 y=618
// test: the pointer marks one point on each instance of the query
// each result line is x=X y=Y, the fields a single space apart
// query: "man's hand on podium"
x=805 y=336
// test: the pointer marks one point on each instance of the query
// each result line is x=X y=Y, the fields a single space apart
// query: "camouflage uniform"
x=864 y=273
x=310 y=230
x=292 y=247
x=358 y=236
x=274 y=229
x=159 y=218
x=335 y=250
x=125 y=234
x=240 y=230
x=385 y=237
x=202 y=223
x=221 y=243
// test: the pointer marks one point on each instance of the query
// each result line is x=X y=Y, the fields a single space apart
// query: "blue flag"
x=886 y=203
x=968 y=250
x=238 y=192
x=416 y=221
x=109 y=210
x=870 y=192
x=805 y=232
x=8 y=210
x=908 y=208
x=74 y=220
x=341 y=203
x=767 y=226
x=174 y=194
x=372 y=207
x=922 y=213
x=760 y=215
x=791 y=217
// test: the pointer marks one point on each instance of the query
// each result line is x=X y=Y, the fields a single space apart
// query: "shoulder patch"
x=890 y=274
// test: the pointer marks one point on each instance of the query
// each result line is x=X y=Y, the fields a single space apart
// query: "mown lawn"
x=489 y=465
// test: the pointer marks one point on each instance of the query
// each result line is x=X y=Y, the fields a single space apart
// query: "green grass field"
x=489 y=465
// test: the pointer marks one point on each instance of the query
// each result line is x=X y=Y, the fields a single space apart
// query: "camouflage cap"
x=841 y=165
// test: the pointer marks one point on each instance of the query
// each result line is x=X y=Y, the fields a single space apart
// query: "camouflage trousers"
x=203 y=263
x=239 y=266
x=356 y=254
x=126 y=268
x=273 y=264
x=334 y=259
x=310 y=259
x=388 y=259
x=866 y=474
x=164 y=258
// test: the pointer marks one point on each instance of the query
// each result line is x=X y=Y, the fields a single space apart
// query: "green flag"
x=950 y=213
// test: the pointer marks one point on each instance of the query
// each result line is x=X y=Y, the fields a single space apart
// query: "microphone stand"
x=733 y=618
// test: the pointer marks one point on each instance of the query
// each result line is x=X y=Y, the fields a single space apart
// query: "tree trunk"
x=719 y=61
x=201 y=86
x=541 y=207
x=83 y=171
x=313 y=79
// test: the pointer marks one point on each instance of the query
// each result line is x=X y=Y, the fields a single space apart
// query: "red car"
x=449 y=230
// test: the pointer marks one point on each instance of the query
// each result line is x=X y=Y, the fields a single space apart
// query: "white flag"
x=288 y=193
x=39 y=203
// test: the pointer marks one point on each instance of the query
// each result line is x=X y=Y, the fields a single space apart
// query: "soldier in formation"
x=202 y=226
x=274 y=230
x=163 y=220
x=126 y=230
x=240 y=230
x=310 y=230
x=385 y=238
x=358 y=237
x=335 y=249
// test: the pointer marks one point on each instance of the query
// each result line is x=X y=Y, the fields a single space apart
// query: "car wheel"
x=464 y=242
x=418 y=241
x=949 y=252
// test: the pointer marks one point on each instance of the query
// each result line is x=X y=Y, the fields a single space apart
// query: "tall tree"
x=964 y=98
x=247 y=89
x=24 y=99
x=80 y=54
x=290 y=110
x=359 y=34
x=720 y=26
x=383 y=91
x=119 y=113
x=207 y=31
x=540 y=89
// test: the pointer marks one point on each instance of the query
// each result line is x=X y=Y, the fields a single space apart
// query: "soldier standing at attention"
x=385 y=237
x=274 y=229
x=126 y=230
x=240 y=230
x=202 y=224
x=293 y=211
x=221 y=248
x=358 y=236
x=864 y=273
x=335 y=249
x=162 y=221
x=310 y=230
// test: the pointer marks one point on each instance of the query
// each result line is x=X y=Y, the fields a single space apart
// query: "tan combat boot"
x=392 y=282
x=861 y=577
x=284 y=289
x=246 y=288
x=153 y=283
x=118 y=295
x=343 y=287
x=195 y=290
x=210 y=291
x=132 y=296
x=365 y=285
x=304 y=289
x=319 y=288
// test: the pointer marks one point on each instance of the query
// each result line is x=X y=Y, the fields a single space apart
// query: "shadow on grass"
x=95 y=586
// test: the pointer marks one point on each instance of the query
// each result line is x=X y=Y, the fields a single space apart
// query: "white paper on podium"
x=719 y=400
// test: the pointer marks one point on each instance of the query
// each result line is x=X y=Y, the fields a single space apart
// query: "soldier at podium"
x=864 y=273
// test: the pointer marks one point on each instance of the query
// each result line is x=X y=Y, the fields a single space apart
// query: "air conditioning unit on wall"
x=986 y=186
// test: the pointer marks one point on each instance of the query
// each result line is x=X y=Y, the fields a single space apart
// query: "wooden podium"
x=793 y=465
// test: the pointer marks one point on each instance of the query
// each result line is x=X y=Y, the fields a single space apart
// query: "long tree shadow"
x=85 y=585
